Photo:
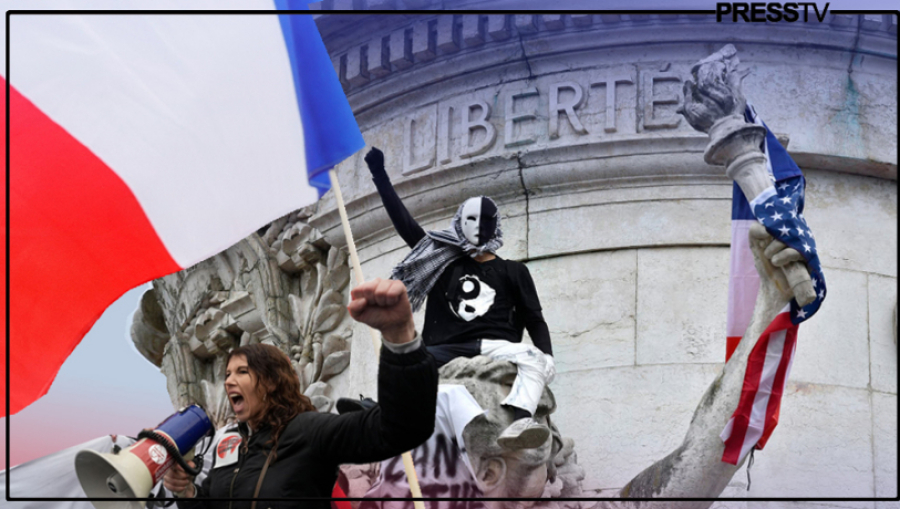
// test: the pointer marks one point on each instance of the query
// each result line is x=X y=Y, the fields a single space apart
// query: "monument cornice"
x=379 y=55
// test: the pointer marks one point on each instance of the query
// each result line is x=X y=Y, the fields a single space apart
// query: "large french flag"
x=141 y=144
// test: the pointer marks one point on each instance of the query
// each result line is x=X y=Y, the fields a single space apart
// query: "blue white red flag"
x=322 y=101
x=142 y=144
x=780 y=209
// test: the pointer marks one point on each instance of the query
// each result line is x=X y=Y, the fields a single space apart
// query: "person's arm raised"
x=407 y=384
x=407 y=227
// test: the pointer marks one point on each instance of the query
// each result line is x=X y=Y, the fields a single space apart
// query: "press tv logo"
x=762 y=12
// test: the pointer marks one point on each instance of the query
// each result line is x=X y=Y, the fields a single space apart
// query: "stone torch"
x=714 y=104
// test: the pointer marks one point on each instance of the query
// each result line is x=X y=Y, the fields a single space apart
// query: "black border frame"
x=7 y=415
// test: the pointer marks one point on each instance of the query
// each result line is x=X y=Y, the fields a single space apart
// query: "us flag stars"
x=781 y=214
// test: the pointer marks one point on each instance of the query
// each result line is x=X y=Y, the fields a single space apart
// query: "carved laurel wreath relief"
x=284 y=285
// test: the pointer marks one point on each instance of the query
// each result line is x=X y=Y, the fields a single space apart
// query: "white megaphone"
x=116 y=481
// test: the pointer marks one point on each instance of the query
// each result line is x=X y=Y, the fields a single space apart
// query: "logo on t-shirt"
x=473 y=298
x=227 y=450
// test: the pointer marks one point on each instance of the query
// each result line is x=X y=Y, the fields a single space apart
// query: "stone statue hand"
x=715 y=91
x=375 y=162
x=771 y=257
x=383 y=305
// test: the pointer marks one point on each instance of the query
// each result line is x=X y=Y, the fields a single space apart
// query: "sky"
x=106 y=386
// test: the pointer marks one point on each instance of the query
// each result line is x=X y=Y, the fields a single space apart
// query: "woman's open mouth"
x=237 y=403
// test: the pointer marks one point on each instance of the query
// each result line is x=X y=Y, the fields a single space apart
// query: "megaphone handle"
x=183 y=493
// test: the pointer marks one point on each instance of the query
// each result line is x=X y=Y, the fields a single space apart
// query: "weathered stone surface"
x=639 y=222
x=806 y=429
x=848 y=240
x=882 y=305
x=632 y=183
x=148 y=329
x=249 y=294
x=833 y=346
x=682 y=305
x=548 y=471
x=589 y=305
x=884 y=444
x=641 y=414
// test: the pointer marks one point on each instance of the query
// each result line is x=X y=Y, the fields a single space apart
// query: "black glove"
x=375 y=162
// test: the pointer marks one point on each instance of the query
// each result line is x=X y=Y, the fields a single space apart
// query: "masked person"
x=284 y=449
x=478 y=303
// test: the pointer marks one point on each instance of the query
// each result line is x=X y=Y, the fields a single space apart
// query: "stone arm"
x=714 y=103
x=407 y=227
x=695 y=469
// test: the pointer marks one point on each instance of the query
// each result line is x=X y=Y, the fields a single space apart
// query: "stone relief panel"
x=284 y=285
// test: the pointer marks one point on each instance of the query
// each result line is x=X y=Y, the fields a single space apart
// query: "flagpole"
x=408 y=465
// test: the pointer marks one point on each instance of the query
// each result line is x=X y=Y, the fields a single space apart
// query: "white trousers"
x=536 y=370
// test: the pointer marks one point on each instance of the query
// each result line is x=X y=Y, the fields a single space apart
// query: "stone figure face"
x=500 y=472
x=479 y=220
x=515 y=474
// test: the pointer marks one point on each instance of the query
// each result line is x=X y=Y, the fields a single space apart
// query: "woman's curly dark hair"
x=280 y=383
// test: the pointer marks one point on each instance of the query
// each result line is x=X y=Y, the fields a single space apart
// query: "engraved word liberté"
x=430 y=135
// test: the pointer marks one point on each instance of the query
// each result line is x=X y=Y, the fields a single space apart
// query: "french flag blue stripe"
x=330 y=131
x=740 y=208
x=783 y=167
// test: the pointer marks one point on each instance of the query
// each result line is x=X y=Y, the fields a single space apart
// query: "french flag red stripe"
x=78 y=240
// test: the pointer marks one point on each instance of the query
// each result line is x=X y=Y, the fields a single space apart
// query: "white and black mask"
x=479 y=220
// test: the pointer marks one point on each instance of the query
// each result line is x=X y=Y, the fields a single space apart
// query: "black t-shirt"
x=473 y=300
x=480 y=300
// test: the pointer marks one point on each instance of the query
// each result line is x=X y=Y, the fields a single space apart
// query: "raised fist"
x=375 y=162
x=383 y=304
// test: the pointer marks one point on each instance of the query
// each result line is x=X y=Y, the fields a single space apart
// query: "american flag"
x=780 y=209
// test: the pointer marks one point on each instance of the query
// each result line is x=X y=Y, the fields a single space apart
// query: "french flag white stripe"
x=761 y=400
x=153 y=98
x=743 y=282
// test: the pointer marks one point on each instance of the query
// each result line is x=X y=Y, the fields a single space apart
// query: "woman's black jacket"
x=313 y=444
